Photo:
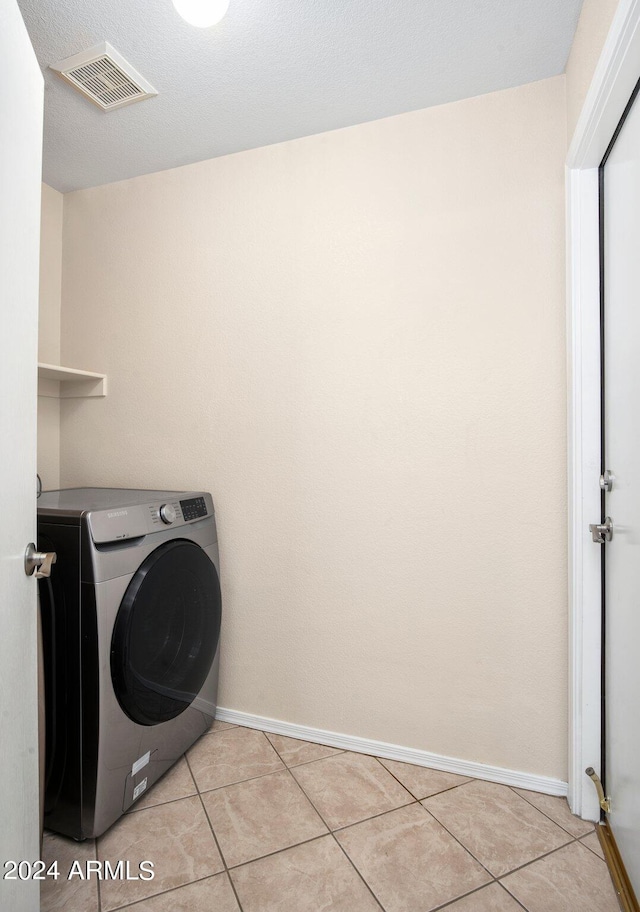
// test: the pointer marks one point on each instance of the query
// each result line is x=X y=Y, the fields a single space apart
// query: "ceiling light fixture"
x=202 y=13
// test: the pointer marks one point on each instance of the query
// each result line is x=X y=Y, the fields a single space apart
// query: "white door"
x=621 y=400
x=21 y=97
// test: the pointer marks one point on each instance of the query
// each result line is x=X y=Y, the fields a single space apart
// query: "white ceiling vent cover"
x=105 y=77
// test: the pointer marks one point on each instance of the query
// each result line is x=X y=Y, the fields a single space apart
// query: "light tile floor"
x=253 y=822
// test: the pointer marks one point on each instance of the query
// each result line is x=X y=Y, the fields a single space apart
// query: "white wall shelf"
x=57 y=382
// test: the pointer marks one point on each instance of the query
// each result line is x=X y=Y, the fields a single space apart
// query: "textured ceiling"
x=274 y=70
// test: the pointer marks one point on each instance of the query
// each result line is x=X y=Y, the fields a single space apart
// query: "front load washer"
x=131 y=627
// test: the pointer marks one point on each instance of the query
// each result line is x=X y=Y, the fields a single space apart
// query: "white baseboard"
x=530 y=781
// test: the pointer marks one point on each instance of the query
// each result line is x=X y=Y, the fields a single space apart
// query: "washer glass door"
x=166 y=633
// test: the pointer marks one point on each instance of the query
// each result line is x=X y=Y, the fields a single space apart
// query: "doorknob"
x=40 y=561
x=602 y=532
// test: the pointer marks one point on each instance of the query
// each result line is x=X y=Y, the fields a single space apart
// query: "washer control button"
x=167 y=514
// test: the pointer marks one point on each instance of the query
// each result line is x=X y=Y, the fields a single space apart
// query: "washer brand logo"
x=117 y=513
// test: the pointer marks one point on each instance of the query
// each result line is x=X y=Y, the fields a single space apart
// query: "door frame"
x=613 y=82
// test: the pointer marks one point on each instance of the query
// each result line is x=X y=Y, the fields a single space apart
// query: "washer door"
x=166 y=633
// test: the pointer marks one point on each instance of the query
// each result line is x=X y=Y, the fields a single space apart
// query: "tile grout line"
x=571 y=840
x=331 y=833
x=347 y=826
x=150 y=807
x=511 y=896
x=451 y=902
x=527 y=864
x=355 y=868
x=521 y=868
x=334 y=750
x=582 y=842
x=498 y=879
x=216 y=731
x=449 y=788
x=544 y=813
x=355 y=822
x=153 y=896
x=235 y=782
x=223 y=859
x=227 y=784
x=317 y=759
x=243 y=864
x=461 y=844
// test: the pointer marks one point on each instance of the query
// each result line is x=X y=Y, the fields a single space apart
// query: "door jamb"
x=613 y=82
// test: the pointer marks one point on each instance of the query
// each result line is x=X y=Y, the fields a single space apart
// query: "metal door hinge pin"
x=605 y=803
x=606 y=481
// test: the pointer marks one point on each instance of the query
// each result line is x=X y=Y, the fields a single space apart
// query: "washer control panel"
x=194 y=508
x=133 y=520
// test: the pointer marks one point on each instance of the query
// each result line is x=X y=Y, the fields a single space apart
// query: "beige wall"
x=356 y=342
x=49 y=332
x=593 y=27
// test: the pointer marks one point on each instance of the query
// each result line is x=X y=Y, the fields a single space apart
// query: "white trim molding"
x=613 y=82
x=387 y=751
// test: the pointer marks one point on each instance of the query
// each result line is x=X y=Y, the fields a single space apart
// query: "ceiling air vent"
x=105 y=77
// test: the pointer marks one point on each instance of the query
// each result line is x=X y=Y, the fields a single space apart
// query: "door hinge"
x=606 y=481
x=605 y=803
